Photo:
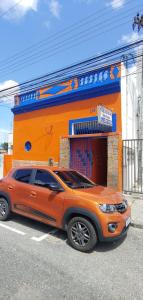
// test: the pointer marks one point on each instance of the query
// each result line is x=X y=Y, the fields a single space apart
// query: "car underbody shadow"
x=109 y=246
x=38 y=226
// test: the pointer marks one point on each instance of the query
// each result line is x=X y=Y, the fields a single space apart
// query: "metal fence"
x=133 y=166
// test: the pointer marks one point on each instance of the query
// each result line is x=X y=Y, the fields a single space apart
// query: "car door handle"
x=10 y=187
x=33 y=194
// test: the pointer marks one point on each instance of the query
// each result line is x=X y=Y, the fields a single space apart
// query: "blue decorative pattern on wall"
x=27 y=97
x=73 y=96
x=99 y=77
x=54 y=90
x=81 y=84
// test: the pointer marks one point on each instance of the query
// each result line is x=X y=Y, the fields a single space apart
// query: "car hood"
x=101 y=194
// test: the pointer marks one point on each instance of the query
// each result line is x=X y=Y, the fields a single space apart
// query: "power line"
x=123 y=76
x=90 y=61
x=77 y=24
x=10 y=8
x=38 y=85
x=58 y=51
x=84 y=38
x=98 y=58
x=79 y=37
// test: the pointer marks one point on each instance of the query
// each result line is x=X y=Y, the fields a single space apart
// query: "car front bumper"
x=115 y=238
x=120 y=219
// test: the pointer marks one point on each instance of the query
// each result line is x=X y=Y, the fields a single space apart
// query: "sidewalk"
x=136 y=203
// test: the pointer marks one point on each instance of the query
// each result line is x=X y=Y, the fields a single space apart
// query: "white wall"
x=129 y=102
x=1 y=165
x=132 y=122
x=10 y=143
x=131 y=92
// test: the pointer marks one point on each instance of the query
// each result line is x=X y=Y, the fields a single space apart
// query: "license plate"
x=128 y=221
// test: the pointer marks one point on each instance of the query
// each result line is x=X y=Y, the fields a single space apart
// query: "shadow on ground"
x=39 y=226
x=59 y=234
x=109 y=246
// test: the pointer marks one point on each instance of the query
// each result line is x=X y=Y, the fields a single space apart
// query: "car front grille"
x=121 y=207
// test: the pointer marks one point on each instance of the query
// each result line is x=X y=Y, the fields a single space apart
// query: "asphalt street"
x=36 y=262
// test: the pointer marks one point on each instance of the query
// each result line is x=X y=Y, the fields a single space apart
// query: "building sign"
x=104 y=115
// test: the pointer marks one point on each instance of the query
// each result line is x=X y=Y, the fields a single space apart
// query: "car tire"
x=4 y=209
x=81 y=234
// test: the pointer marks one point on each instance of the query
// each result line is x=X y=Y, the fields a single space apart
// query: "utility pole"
x=138 y=22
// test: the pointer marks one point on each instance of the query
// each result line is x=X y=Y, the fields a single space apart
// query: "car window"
x=23 y=175
x=74 y=180
x=44 y=178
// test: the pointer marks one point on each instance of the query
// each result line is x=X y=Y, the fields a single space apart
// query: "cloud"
x=116 y=4
x=4 y=99
x=55 y=8
x=130 y=38
x=14 y=9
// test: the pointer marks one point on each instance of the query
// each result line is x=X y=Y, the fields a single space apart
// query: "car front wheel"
x=81 y=234
x=4 y=209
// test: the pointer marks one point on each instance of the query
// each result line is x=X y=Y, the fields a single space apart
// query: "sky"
x=40 y=36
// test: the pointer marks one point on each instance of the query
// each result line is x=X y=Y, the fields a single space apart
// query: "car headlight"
x=107 y=208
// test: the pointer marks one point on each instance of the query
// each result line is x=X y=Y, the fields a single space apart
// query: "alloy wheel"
x=80 y=234
x=2 y=208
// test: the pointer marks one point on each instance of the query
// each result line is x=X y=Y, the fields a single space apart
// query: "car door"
x=45 y=204
x=19 y=189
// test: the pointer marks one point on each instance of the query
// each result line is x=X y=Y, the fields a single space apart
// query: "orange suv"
x=67 y=200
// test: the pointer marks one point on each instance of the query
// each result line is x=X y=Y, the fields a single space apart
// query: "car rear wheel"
x=4 y=209
x=81 y=234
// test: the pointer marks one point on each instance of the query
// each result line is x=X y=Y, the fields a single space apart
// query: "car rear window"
x=23 y=175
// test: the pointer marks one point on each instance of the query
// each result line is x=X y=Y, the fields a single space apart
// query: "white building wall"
x=129 y=102
x=131 y=96
x=1 y=166
x=132 y=123
x=10 y=143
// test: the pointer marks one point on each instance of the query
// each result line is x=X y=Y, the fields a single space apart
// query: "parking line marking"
x=43 y=237
x=12 y=229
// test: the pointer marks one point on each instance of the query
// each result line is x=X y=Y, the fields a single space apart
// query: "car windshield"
x=74 y=180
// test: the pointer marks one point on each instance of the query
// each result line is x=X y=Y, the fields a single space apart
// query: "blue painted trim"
x=82 y=120
x=73 y=96
x=114 y=122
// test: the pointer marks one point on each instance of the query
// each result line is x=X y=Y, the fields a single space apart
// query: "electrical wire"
x=10 y=8
x=70 y=28
x=107 y=55
x=28 y=89
x=82 y=38
x=108 y=88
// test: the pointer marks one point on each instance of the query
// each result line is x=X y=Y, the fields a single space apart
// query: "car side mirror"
x=55 y=187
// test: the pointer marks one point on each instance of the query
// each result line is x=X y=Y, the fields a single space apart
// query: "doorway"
x=89 y=157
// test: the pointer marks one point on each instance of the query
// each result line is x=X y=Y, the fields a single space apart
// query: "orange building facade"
x=59 y=124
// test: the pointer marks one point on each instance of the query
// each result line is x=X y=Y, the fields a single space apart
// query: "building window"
x=90 y=127
x=28 y=146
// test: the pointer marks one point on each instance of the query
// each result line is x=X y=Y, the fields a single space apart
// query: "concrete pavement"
x=41 y=269
x=136 y=203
